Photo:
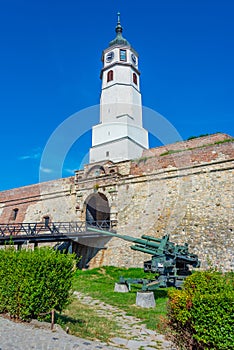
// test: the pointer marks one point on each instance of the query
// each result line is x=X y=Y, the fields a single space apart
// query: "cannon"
x=169 y=263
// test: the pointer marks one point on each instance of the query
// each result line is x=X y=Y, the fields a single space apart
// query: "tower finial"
x=118 y=28
x=118 y=14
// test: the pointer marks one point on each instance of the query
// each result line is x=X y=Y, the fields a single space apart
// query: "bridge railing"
x=54 y=228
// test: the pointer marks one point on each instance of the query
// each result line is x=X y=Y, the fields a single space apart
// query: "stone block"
x=145 y=299
x=121 y=288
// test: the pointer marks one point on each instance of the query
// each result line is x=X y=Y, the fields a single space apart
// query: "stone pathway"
x=23 y=336
x=137 y=335
x=38 y=336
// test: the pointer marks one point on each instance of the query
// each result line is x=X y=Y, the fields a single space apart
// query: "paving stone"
x=119 y=341
x=149 y=331
x=136 y=344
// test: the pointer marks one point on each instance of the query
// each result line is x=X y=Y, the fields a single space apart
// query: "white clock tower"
x=119 y=135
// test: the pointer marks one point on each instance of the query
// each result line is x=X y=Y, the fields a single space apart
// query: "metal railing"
x=53 y=228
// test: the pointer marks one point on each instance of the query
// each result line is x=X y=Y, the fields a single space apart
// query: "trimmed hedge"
x=33 y=283
x=202 y=313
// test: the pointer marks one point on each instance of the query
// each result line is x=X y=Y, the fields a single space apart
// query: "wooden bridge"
x=41 y=232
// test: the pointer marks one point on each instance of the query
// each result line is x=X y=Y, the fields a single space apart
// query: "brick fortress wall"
x=185 y=189
x=55 y=199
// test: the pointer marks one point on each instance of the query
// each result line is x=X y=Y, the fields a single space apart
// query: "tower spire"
x=118 y=28
x=119 y=40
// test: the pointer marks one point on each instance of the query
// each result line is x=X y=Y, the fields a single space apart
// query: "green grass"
x=99 y=283
x=193 y=148
x=195 y=137
x=84 y=322
x=172 y=152
x=224 y=141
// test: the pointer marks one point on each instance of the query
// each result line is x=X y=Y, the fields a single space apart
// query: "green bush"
x=33 y=283
x=202 y=313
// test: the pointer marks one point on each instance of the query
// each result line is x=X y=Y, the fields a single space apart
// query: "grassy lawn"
x=84 y=322
x=99 y=283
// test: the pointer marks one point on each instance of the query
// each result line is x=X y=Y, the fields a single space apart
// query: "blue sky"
x=50 y=65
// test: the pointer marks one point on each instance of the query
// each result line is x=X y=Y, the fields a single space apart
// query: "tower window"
x=123 y=55
x=134 y=77
x=107 y=153
x=110 y=75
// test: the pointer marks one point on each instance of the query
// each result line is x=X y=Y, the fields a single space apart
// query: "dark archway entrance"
x=97 y=213
x=98 y=210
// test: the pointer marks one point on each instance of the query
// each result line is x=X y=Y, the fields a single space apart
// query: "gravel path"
x=38 y=336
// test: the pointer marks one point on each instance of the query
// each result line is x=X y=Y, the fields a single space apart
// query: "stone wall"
x=194 y=205
x=54 y=199
x=187 y=192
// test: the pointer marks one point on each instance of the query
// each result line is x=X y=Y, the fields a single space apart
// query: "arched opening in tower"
x=98 y=210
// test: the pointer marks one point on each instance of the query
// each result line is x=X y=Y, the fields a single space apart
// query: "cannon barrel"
x=144 y=242
x=150 y=238
x=111 y=234
x=142 y=249
x=155 y=246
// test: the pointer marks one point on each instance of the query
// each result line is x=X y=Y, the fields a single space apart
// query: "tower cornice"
x=123 y=64
x=120 y=84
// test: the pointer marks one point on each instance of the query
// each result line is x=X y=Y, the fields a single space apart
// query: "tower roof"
x=119 y=39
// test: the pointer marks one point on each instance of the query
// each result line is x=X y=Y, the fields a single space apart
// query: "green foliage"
x=195 y=137
x=142 y=159
x=172 y=151
x=224 y=141
x=202 y=313
x=32 y=283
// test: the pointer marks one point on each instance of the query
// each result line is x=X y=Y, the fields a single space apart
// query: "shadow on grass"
x=160 y=293
x=64 y=319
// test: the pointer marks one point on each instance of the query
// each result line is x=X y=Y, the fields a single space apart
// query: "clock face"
x=109 y=56
x=134 y=59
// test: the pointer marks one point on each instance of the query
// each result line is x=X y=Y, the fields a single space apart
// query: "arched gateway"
x=97 y=210
x=97 y=213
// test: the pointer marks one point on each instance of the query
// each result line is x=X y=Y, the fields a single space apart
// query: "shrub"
x=33 y=283
x=202 y=313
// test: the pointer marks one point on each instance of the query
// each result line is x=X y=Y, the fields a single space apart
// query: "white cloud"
x=46 y=170
x=35 y=154
x=70 y=171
